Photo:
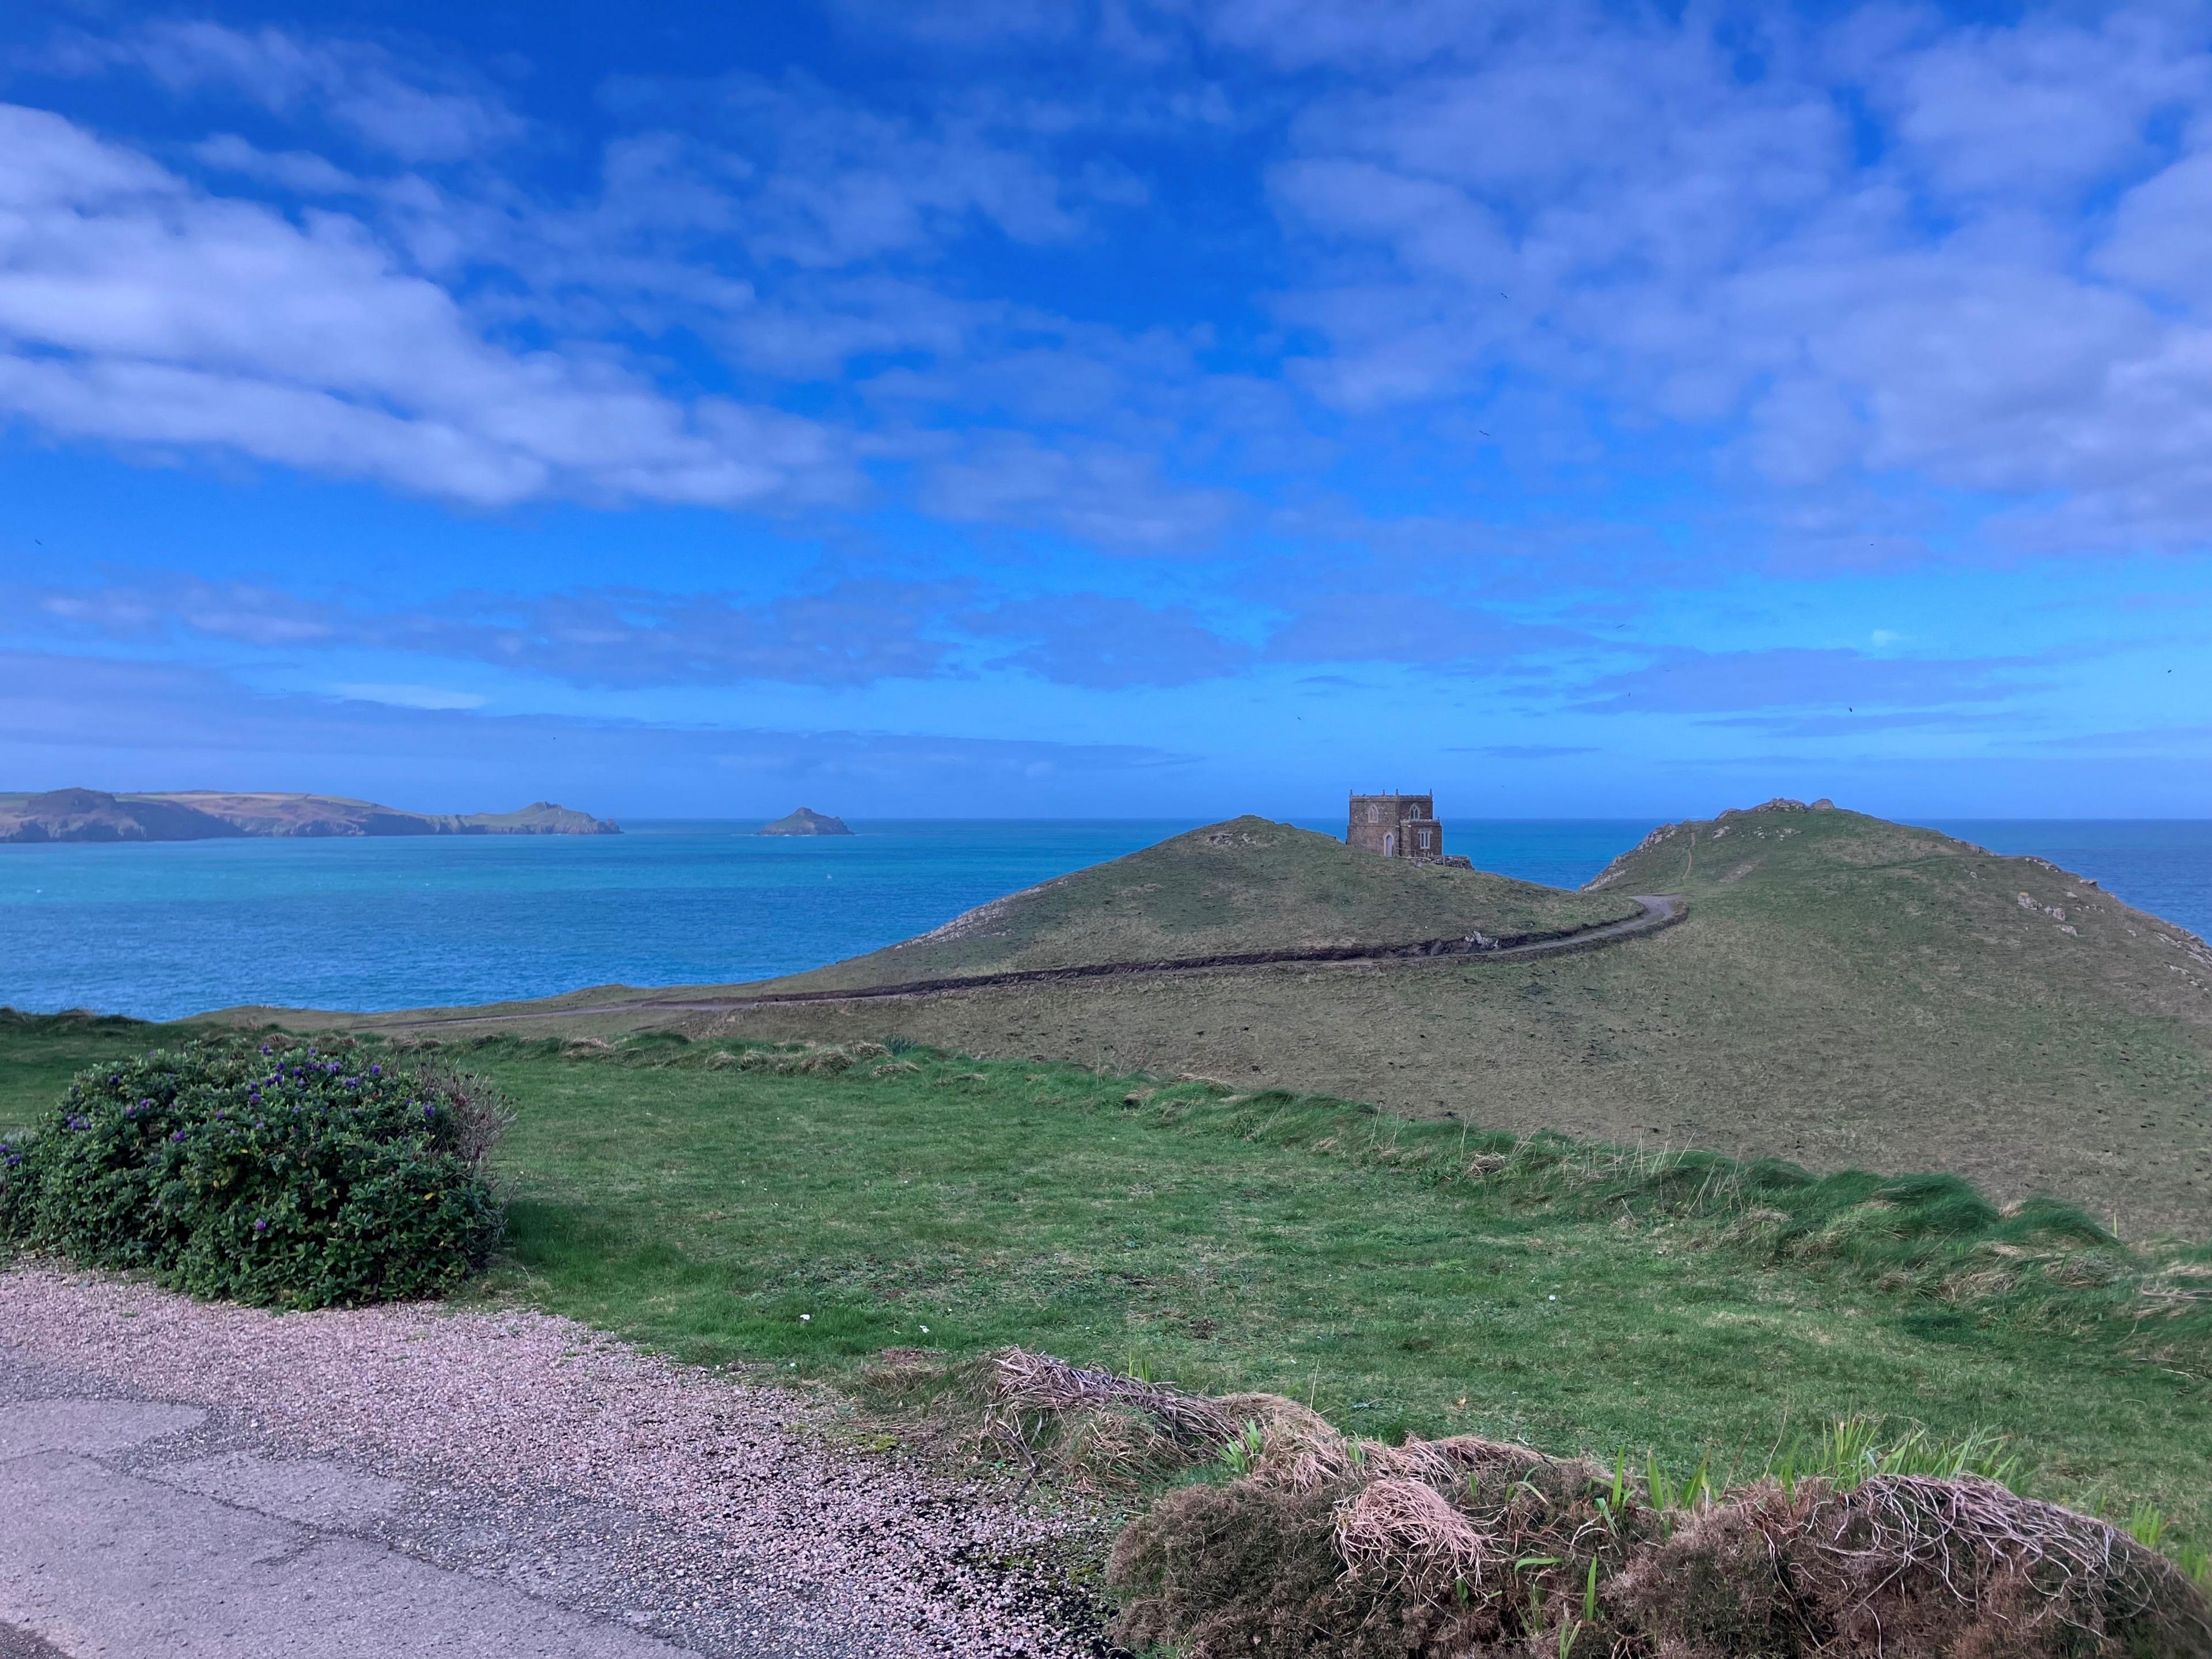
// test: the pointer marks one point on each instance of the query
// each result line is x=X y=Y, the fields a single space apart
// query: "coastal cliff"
x=77 y=815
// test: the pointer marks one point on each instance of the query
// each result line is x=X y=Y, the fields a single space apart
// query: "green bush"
x=270 y=1175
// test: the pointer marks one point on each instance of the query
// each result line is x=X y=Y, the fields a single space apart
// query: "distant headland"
x=806 y=822
x=209 y=815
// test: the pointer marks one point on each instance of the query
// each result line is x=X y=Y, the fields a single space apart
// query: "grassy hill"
x=1846 y=991
x=804 y=1210
x=1230 y=889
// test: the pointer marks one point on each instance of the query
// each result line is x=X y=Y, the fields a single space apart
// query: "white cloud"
x=2042 y=105
x=2162 y=232
x=1100 y=492
x=135 y=308
x=1618 y=206
x=357 y=87
x=295 y=170
x=803 y=176
x=411 y=696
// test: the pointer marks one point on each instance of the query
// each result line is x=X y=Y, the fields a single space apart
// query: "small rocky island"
x=806 y=822
x=209 y=815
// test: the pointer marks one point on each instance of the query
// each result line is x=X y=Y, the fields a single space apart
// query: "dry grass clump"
x=1908 y=1565
x=1321 y=1544
x=809 y=1059
x=1023 y=1381
x=1090 y=1426
x=1394 y=1527
x=1462 y=1547
x=1324 y=1544
x=1096 y=1425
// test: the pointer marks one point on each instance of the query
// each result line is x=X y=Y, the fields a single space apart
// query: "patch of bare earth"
x=839 y=1551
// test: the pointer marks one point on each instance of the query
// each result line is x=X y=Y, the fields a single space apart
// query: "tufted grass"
x=1403 y=1277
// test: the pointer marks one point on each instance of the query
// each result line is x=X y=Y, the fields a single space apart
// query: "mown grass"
x=1401 y=1277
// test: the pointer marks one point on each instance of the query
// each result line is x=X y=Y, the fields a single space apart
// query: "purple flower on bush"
x=180 y=1135
x=261 y=1226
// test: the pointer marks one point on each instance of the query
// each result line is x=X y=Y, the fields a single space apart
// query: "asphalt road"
x=137 y=1531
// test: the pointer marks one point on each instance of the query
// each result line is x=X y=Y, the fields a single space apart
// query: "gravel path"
x=527 y=1450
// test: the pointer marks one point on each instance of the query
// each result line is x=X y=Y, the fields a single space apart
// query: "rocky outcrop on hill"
x=79 y=815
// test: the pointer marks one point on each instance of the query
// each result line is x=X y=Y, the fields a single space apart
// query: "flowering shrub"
x=266 y=1175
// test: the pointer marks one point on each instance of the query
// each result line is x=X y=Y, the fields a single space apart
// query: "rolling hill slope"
x=1244 y=886
x=1846 y=992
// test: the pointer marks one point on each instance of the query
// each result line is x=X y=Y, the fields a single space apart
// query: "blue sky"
x=1144 y=407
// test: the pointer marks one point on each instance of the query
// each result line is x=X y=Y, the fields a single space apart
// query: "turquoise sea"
x=173 y=928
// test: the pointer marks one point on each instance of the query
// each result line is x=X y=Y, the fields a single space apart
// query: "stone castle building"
x=1396 y=826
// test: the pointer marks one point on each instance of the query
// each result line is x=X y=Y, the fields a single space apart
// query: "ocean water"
x=173 y=928
x=2163 y=865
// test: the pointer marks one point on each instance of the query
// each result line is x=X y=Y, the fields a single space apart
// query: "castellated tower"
x=1396 y=826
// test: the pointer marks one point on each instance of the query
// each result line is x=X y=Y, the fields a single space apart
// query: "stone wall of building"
x=1396 y=826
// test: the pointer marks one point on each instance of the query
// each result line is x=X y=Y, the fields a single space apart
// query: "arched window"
x=1425 y=841
x=1374 y=813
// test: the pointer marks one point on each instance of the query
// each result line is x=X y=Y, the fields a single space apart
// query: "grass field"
x=38 y=1053
x=1846 y=992
x=1568 y=1299
x=1289 y=1246
x=1852 y=993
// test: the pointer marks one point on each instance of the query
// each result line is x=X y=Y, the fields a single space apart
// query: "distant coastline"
x=94 y=815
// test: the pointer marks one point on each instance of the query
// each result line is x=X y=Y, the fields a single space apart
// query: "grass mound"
x=1243 y=886
x=273 y=1175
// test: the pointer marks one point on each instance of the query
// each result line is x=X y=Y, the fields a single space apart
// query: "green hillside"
x=1846 y=991
x=803 y=1210
x=1230 y=889
x=1890 y=911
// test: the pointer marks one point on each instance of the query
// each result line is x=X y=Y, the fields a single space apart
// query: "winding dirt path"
x=1659 y=910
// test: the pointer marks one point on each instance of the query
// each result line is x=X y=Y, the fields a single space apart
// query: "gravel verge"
x=526 y=1448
